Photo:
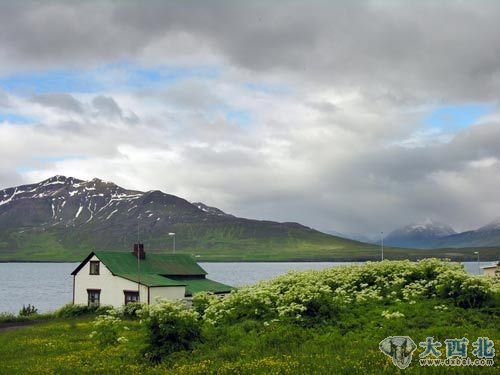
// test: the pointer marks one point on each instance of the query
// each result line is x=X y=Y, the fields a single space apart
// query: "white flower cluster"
x=299 y=296
x=166 y=310
x=107 y=328
x=392 y=315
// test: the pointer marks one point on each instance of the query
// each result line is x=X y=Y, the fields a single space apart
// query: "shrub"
x=202 y=300
x=316 y=297
x=475 y=292
x=130 y=310
x=104 y=309
x=70 y=310
x=28 y=310
x=107 y=328
x=171 y=327
x=8 y=317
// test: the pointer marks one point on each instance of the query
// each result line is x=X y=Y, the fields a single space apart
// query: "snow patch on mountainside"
x=419 y=235
x=490 y=227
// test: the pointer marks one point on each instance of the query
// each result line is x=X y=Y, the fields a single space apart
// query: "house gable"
x=83 y=263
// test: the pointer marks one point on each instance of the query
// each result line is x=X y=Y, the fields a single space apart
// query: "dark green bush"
x=28 y=310
x=103 y=310
x=129 y=311
x=171 y=327
x=8 y=318
x=70 y=310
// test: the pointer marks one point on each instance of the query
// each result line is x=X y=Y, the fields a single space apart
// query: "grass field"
x=349 y=346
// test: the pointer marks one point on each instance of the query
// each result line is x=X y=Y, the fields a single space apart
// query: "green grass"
x=348 y=345
x=61 y=347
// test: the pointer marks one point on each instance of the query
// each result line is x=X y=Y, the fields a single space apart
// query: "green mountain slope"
x=63 y=219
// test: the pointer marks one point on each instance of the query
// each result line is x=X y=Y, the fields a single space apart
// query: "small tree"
x=28 y=310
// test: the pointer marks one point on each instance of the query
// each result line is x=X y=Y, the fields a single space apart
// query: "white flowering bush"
x=107 y=329
x=316 y=296
x=171 y=327
x=202 y=300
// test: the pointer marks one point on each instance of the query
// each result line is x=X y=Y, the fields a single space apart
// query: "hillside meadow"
x=314 y=322
x=224 y=244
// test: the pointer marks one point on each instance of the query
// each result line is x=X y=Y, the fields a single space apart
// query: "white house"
x=115 y=278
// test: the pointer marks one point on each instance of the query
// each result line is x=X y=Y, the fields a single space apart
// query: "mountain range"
x=430 y=234
x=64 y=218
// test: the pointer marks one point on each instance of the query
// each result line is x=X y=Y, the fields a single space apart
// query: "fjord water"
x=48 y=286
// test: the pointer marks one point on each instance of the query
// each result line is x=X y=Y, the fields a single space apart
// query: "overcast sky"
x=353 y=116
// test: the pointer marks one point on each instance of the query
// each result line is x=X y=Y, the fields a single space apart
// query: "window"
x=131 y=296
x=94 y=267
x=94 y=297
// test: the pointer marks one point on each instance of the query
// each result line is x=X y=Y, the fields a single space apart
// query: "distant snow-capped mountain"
x=419 y=235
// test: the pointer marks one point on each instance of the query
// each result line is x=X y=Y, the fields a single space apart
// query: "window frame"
x=94 y=292
x=130 y=293
x=94 y=267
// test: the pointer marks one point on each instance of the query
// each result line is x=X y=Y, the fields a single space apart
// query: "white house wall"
x=112 y=287
x=171 y=292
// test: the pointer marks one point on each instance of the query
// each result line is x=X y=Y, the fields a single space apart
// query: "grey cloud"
x=132 y=119
x=38 y=34
x=191 y=95
x=107 y=106
x=4 y=100
x=324 y=106
x=62 y=101
x=446 y=49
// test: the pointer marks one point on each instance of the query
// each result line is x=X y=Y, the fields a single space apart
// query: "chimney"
x=139 y=251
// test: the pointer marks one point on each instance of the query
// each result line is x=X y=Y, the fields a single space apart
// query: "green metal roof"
x=204 y=285
x=159 y=264
x=151 y=279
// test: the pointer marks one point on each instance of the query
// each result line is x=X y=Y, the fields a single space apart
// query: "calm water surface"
x=49 y=285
